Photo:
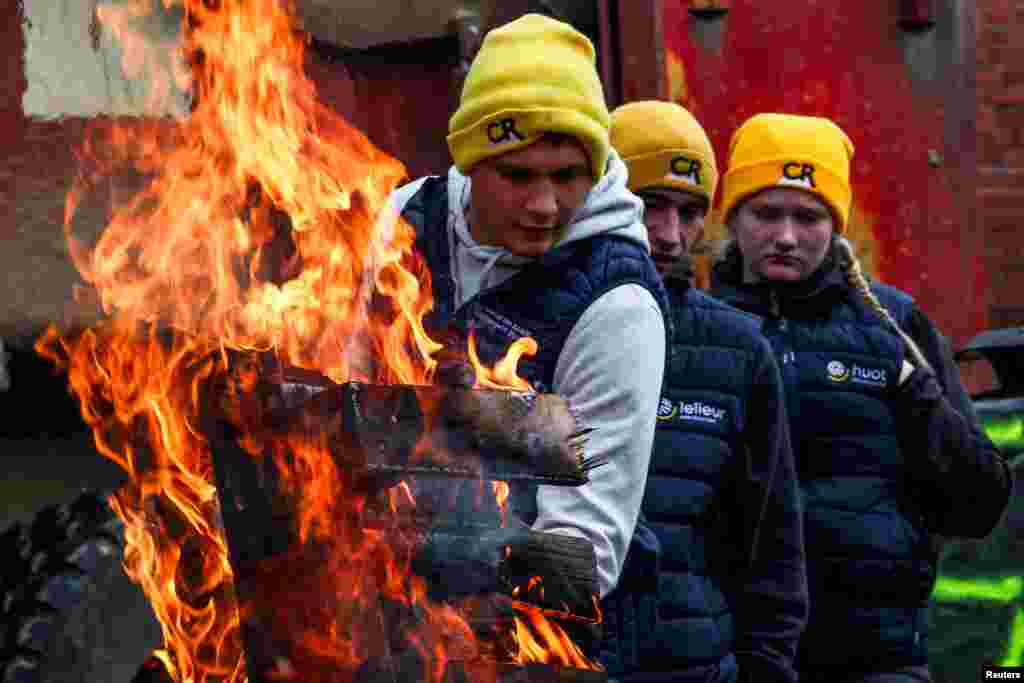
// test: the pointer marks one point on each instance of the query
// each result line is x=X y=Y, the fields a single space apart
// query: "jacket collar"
x=679 y=279
x=812 y=297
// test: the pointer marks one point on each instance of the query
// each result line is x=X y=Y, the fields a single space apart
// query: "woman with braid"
x=888 y=450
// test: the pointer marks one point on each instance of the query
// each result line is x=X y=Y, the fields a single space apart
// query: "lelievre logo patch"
x=797 y=173
x=689 y=411
x=686 y=169
x=839 y=372
x=502 y=131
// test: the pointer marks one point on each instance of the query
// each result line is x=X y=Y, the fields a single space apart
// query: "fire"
x=541 y=640
x=260 y=228
x=503 y=375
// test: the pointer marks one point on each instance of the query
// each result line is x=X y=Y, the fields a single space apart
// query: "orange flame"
x=503 y=375
x=260 y=226
x=542 y=640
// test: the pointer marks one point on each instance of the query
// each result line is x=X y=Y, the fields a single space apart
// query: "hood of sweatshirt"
x=609 y=209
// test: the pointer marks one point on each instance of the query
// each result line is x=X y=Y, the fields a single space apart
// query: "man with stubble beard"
x=714 y=586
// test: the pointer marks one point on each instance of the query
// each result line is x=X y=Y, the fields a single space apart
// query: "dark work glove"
x=917 y=385
x=458 y=564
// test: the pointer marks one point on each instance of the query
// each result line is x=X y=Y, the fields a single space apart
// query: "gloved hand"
x=458 y=564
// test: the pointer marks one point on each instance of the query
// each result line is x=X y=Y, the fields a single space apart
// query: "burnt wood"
x=447 y=440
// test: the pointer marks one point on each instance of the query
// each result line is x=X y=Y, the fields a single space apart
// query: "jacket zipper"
x=781 y=341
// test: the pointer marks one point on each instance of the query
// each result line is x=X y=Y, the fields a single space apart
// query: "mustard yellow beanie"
x=532 y=76
x=806 y=152
x=664 y=146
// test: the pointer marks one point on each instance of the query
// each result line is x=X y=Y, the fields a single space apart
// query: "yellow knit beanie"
x=532 y=76
x=663 y=145
x=783 y=150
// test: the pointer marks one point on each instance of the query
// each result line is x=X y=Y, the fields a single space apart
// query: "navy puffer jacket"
x=884 y=468
x=714 y=584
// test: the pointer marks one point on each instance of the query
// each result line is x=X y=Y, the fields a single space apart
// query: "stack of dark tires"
x=68 y=612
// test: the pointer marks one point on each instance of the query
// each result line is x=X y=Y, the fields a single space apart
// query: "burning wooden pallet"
x=281 y=525
x=486 y=580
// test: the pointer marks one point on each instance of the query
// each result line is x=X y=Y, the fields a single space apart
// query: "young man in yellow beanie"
x=533 y=233
x=714 y=586
x=888 y=448
x=672 y=168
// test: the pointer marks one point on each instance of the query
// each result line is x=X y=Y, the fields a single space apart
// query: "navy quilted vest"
x=871 y=562
x=544 y=300
x=669 y=615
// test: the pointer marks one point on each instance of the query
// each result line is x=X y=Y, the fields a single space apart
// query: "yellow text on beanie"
x=809 y=153
x=664 y=146
x=532 y=76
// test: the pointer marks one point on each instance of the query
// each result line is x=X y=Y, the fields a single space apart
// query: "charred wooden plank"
x=472 y=433
x=430 y=430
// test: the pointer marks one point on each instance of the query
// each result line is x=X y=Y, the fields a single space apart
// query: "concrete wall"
x=75 y=66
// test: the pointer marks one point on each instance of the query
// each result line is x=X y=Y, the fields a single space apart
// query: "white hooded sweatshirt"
x=609 y=370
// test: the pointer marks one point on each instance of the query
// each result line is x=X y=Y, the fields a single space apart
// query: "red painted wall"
x=840 y=59
x=845 y=60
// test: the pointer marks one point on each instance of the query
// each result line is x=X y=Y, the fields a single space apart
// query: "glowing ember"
x=259 y=228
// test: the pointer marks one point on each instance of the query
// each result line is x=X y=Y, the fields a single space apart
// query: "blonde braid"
x=855 y=276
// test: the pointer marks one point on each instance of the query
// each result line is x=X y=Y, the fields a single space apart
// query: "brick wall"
x=1000 y=125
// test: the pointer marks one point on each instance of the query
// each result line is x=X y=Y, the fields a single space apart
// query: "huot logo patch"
x=876 y=377
x=686 y=169
x=690 y=411
x=666 y=409
x=838 y=371
x=503 y=131
x=796 y=173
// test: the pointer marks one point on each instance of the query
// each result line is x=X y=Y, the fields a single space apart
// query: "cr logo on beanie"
x=664 y=146
x=503 y=131
x=533 y=76
x=810 y=153
x=686 y=170
x=796 y=173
